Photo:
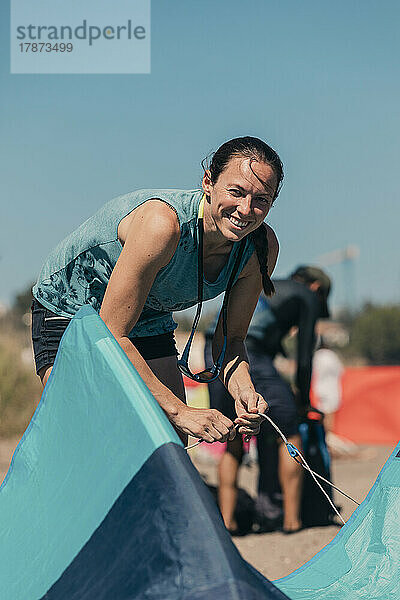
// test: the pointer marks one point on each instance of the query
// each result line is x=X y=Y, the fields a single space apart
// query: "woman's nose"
x=244 y=208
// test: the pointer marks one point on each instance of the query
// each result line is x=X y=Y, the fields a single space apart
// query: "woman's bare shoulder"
x=155 y=216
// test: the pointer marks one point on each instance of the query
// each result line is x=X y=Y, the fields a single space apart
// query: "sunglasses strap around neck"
x=200 y=264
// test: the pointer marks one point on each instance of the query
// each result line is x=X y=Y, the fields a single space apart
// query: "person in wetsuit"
x=298 y=302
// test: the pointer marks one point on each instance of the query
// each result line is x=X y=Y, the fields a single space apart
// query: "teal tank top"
x=78 y=270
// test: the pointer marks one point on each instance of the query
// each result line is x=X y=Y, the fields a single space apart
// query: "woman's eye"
x=264 y=200
x=235 y=192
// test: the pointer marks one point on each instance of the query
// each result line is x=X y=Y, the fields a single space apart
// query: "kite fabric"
x=363 y=560
x=101 y=501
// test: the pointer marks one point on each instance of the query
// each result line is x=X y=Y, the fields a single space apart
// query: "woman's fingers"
x=207 y=424
x=250 y=402
x=208 y=437
x=262 y=405
x=225 y=428
x=248 y=408
x=222 y=419
x=232 y=434
x=252 y=405
x=249 y=419
x=215 y=435
x=219 y=429
x=249 y=424
x=248 y=432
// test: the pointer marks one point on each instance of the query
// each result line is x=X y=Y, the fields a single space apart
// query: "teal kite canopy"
x=102 y=502
x=363 y=561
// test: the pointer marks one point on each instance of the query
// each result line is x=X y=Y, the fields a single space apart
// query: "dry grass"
x=20 y=388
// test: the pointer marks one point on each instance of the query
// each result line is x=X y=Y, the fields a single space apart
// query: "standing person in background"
x=326 y=383
x=298 y=302
x=327 y=396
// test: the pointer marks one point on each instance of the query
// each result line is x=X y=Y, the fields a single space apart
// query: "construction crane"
x=345 y=257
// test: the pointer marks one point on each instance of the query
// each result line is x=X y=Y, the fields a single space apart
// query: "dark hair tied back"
x=255 y=149
x=259 y=237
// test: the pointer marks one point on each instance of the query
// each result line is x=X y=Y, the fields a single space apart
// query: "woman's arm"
x=236 y=372
x=150 y=243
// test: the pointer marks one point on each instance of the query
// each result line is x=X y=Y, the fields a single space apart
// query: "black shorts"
x=48 y=329
x=268 y=383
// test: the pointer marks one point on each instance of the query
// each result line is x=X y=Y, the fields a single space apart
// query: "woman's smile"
x=237 y=223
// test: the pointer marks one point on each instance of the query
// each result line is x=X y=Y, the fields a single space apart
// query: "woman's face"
x=240 y=199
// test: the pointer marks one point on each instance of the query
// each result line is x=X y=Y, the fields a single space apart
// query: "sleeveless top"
x=77 y=271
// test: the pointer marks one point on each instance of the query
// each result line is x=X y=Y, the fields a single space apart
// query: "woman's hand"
x=248 y=404
x=207 y=424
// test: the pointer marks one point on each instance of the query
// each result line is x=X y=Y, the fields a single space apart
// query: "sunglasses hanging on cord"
x=212 y=373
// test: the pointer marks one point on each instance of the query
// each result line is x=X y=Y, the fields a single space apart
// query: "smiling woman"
x=151 y=252
x=247 y=173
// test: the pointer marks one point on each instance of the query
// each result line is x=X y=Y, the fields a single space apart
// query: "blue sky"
x=317 y=80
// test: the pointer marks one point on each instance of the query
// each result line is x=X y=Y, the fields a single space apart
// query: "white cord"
x=275 y=426
x=304 y=467
x=193 y=445
x=321 y=488
x=293 y=452
x=331 y=484
x=290 y=447
x=200 y=441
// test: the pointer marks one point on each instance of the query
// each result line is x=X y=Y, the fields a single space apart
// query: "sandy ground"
x=276 y=554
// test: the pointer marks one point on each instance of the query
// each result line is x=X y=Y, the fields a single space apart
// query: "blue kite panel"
x=162 y=540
